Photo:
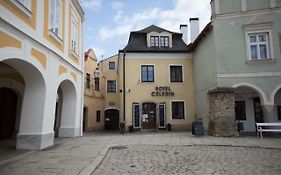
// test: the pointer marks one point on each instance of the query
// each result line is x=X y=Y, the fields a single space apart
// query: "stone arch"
x=68 y=120
x=33 y=105
x=274 y=93
x=255 y=88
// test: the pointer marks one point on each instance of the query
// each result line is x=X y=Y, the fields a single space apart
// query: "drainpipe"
x=124 y=84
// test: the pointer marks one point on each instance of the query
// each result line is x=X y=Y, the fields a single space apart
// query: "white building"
x=41 y=71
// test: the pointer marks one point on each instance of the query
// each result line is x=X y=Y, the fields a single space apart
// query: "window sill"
x=23 y=9
x=178 y=118
x=147 y=82
x=111 y=92
x=176 y=81
x=264 y=61
x=74 y=54
x=55 y=36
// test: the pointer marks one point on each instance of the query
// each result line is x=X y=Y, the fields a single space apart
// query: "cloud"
x=93 y=5
x=169 y=19
x=117 y=5
x=118 y=16
x=111 y=33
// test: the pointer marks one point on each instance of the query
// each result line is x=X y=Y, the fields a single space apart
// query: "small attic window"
x=154 y=41
x=164 y=41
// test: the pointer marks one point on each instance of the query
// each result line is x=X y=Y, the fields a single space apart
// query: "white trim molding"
x=250 y=74
x=155 y=56
x=260 y=92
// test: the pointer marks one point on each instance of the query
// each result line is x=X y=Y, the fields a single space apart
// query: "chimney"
x=183 y=30
x=194 y=28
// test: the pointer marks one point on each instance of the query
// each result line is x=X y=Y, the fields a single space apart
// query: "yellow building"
x=149 y=84
x=41 y=71
x=158 y=80
x=93 y=94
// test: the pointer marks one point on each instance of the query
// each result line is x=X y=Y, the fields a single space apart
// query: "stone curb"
x=96 y=162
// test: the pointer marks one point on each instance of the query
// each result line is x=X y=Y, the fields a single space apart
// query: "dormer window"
x=164 y=41
x=154 y=41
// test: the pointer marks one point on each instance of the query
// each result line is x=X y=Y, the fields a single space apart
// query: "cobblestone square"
x=169 y=159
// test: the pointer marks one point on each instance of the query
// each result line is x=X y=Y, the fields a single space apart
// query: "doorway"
x=8 y=108
x=148 y=116
x=111 y=119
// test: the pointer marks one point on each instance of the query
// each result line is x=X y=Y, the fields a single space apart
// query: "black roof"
x=137 y=41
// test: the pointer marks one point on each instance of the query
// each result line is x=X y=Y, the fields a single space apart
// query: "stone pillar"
x=222 y=120
x=268 y=113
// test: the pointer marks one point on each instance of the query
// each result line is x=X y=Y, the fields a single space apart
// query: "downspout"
x=124 y=87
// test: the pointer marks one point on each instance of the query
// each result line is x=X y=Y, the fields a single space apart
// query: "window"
x=240 y=110
x=55 y=17
x=147 y=73
x=136 y=115
x=98 y=116
x=24 y=6
x=162 y=115
x=111 y=65
x=154 y=41
x=111 y=86
x=88 y=79
x=25 y=3
x=164 y=41
x=258 y=46
x=178 y=110
x=97 y=84
x=176 y=74
x=74 y=37
x=279 y=112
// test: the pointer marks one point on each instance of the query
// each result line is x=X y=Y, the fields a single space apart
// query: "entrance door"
x=258 y=110
x=149 y=116
x=8 y=107
x=111 y=119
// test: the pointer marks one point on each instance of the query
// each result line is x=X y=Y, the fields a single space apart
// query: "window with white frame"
x=258 y=45
x=55 y=15
x=154 y=41
x=24 y=6
x=111 y=85
x=176 y=74
x=164 y=41
x=178 y=111
x=25 y=3
x=147 y=73
x=74 y=36
x=111 y=65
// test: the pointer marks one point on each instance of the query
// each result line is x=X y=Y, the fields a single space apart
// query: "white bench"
x=260 y=128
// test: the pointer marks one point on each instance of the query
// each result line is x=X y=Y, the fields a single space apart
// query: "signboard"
x=162 y=91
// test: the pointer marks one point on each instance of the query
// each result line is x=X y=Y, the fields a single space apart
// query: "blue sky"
x=108 y=22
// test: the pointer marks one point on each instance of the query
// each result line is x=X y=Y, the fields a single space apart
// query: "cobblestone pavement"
x=201 y=160
x=156 y=152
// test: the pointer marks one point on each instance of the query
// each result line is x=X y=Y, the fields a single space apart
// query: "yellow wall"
x=29 y=21
x=141 y=92
x=108 y=74
x=93 y=100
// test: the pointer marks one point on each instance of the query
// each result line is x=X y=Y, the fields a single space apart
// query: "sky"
x=108 y=23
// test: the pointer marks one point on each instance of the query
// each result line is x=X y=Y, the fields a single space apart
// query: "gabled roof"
x=154 y=28
x=137 y=41
x=196 y=42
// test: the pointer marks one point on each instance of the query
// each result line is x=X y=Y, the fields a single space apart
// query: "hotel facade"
x=230 y=72
x=41 y=71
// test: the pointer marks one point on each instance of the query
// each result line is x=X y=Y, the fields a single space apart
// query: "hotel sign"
x=162 y=91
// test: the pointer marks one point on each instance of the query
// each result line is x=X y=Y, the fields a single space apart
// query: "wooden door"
x=8 y=107
x=149 y=116
x=111 y=119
